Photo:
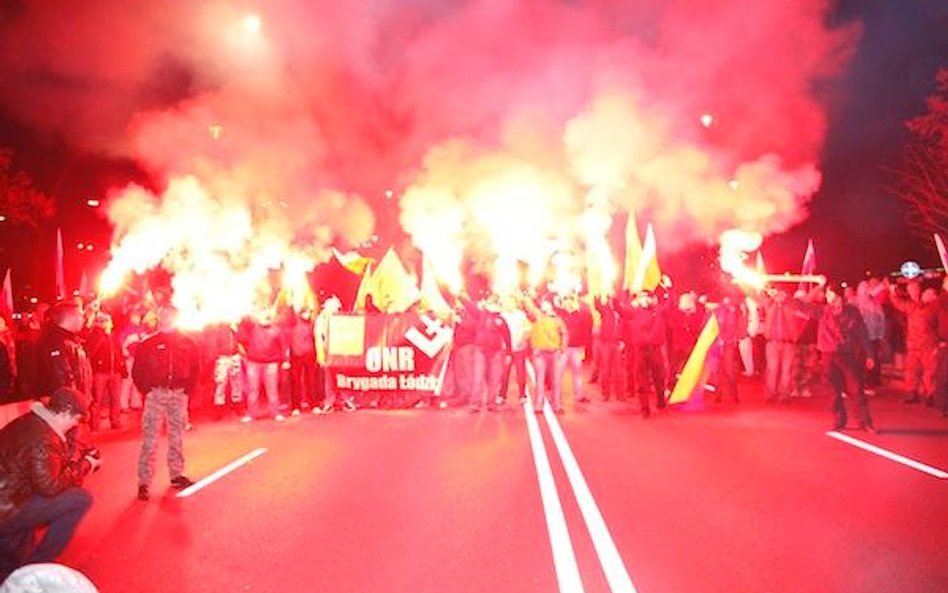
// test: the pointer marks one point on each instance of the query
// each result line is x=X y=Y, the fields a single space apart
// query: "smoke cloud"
x=501 y=123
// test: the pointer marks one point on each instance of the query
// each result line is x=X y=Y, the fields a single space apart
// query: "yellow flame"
x=736 y=247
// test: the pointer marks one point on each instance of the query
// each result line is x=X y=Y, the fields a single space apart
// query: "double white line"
x=564 y=558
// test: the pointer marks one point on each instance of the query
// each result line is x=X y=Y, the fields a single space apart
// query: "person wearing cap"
x=108 y=370
x=41 y=476
x=62 y=357
x=166 y=371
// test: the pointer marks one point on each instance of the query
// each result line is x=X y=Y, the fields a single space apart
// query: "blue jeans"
x=61 y=515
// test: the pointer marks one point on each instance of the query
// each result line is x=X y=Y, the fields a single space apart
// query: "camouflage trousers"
x=163 y=405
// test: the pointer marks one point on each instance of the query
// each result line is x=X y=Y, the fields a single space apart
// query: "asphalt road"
x=738 y=497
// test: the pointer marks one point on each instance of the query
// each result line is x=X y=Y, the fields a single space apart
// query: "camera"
x=92 y=453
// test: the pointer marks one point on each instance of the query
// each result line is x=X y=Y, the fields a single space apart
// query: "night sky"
x=856 y=224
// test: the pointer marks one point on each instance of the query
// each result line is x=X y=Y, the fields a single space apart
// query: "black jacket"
x=35 y=460
x=167 y=360
x=105 y=353
x=62 y=362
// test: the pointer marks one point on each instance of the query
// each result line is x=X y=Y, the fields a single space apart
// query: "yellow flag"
x=693 y=372
x=365 y=286
x=633 y=252
x=431 y=296
x=647 y=273
x=391 y=286
x=352 y=261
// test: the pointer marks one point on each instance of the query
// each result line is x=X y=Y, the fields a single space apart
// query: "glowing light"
x=93 y=202
x=215 y=130
x=3 y=218
x=388 y=194
x=707 y=120
x=253 y=24
x=89 y=247
x=734 y=184
x=81 y=246
x=736 y=245
x=566 y=280
x=297 y=291
x=110 y=282
x=222 y=259
x=601 y=267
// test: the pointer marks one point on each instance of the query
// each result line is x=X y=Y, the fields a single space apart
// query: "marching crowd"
x=84 y=364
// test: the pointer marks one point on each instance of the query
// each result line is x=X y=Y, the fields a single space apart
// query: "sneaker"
x=348 y=406
x=247 y=419
x=181 y=482
x=279 y=418
x=442 y=405
x=500 y=401
x=143 y=492
x=295 y=413
x=523 y=399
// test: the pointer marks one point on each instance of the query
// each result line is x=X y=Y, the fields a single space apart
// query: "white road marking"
x=918 y=465
x=564 y=558
x=612 y=565
x=233 y=465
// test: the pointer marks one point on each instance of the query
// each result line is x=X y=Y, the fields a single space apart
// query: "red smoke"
x=341 y=98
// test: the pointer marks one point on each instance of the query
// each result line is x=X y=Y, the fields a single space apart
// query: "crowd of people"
x=86 y=364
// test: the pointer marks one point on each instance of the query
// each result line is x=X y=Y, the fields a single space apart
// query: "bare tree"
x=20 y=201
x=920 y=179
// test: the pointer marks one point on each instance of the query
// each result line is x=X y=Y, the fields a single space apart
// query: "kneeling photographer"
x=41 y=473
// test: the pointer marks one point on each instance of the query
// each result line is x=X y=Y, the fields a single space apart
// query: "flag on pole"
x=6 y=299
x=352 y=261
x=942 y=254
x=809 y=263
x=85 y=289
x=760 y=266
x=391 y=287
x=692 y=376
x=60 y=273
x=647 y=275
x=431 y=295
x=365 y=287
x=633 y=252
x=641 y=262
